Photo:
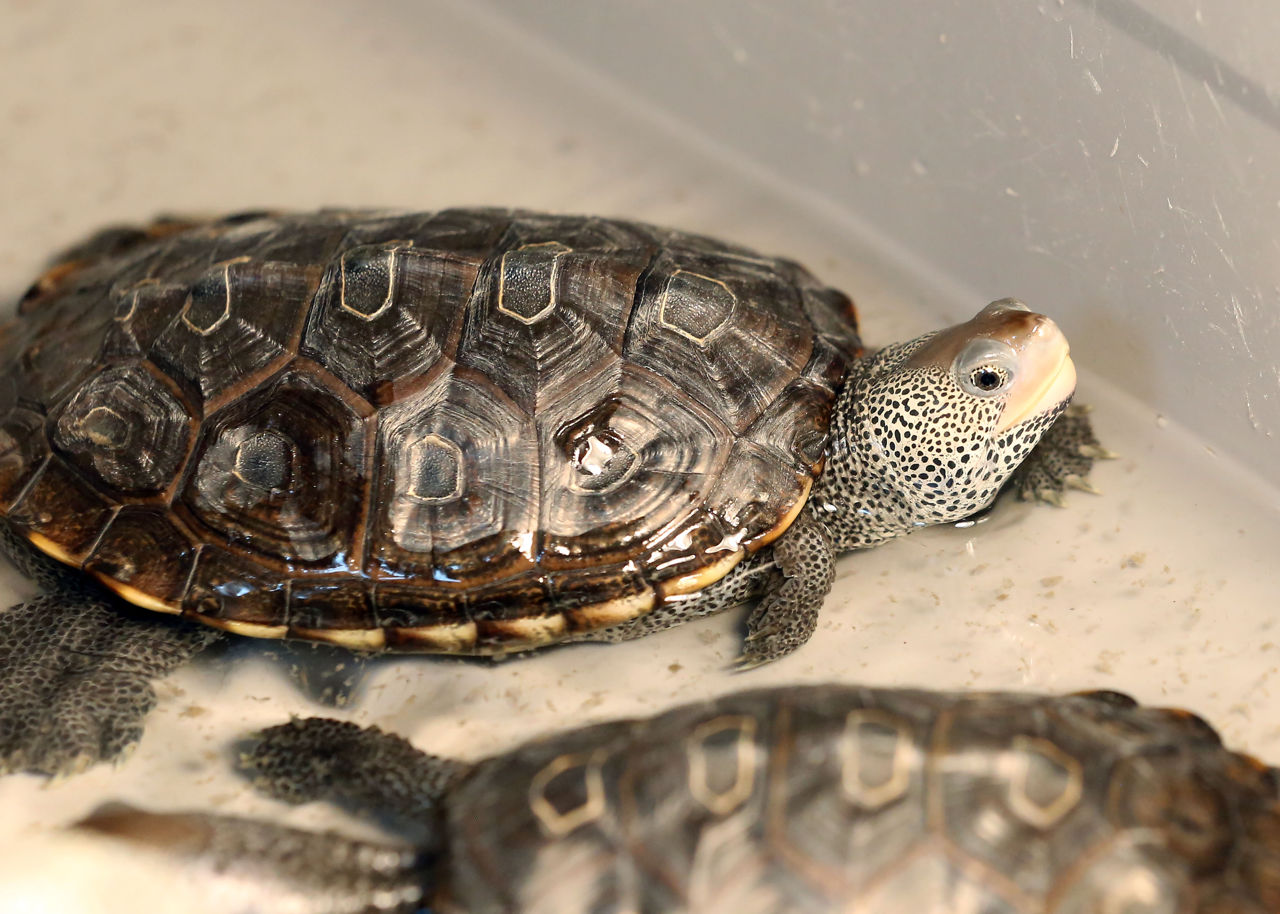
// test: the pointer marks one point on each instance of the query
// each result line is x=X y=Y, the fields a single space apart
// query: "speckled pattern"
x=361 y=767
x=78 y=670
x=324 y=426
x=1063 y=460
x=838 y=798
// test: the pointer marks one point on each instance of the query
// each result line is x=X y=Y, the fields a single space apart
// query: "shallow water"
x=1162 y=587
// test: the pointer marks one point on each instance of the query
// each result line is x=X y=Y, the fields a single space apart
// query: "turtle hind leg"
x=1062 y=459
x=274 y=865
x=360 y=768
x=76 y=668
x=76 y=676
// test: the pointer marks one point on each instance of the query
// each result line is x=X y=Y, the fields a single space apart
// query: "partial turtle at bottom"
x=468 y=432
x=805 y=799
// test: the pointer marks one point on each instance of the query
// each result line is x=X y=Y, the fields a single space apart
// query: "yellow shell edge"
x=355 y=639
x=613 y=612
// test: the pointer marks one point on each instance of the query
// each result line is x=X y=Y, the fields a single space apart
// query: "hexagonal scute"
x=1022 y=806
x=126 y=429
x=695 y=306
x=240 y=319
x=281 y=470
x=386 y=313
x=443 y=517
x=140 y=311
x=551 y=305
x=618 y=467
x=847 y=795
x=727 y=330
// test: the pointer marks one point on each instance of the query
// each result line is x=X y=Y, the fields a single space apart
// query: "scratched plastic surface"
x=1162 y=587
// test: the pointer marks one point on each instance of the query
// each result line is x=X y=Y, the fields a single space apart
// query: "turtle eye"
x=985 y=367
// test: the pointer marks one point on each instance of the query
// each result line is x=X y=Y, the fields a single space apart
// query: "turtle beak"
x=1046 y=375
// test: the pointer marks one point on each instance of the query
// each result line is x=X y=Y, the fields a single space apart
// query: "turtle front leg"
x=76 y=670
x=787 y=615
x=1062 y=459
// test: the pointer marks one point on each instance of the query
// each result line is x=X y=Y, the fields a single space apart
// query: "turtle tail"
x=360 y=768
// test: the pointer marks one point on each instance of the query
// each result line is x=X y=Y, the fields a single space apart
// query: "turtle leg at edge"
x=76 y=669
x=362 y=768
x=1063 y=458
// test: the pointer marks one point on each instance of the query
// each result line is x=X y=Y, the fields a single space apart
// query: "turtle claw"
x=1076 y=481
x=1051 y=496
x=1062 y=460
x=1096 y=452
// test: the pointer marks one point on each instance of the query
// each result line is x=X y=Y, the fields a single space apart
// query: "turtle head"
x=929 y=430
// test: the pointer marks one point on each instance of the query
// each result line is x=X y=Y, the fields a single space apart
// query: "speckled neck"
x=858 y=505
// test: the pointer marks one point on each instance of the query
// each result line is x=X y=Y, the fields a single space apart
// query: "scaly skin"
x=909 y=447
x=77 y=669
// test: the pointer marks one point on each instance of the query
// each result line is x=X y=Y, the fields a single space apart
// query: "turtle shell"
x=842 y=798
x=465 y=431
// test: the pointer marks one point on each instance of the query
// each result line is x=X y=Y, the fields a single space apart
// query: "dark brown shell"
x=880 y=801
x=464 y=431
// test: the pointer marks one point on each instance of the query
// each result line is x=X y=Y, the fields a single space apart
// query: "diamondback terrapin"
x=826 y=798
x=474 y=432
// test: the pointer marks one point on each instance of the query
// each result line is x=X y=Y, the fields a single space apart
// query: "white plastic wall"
x=1115 y=162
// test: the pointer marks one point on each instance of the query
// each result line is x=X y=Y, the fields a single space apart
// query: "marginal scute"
x=339 y=606
x=23 y=449
x=236 y=594
x=64 y=511
x=144 y=552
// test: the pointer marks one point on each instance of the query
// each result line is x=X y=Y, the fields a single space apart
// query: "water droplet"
x=233 y=588
x=602 y=462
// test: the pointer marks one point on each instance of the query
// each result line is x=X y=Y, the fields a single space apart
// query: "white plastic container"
x=1113 y=163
